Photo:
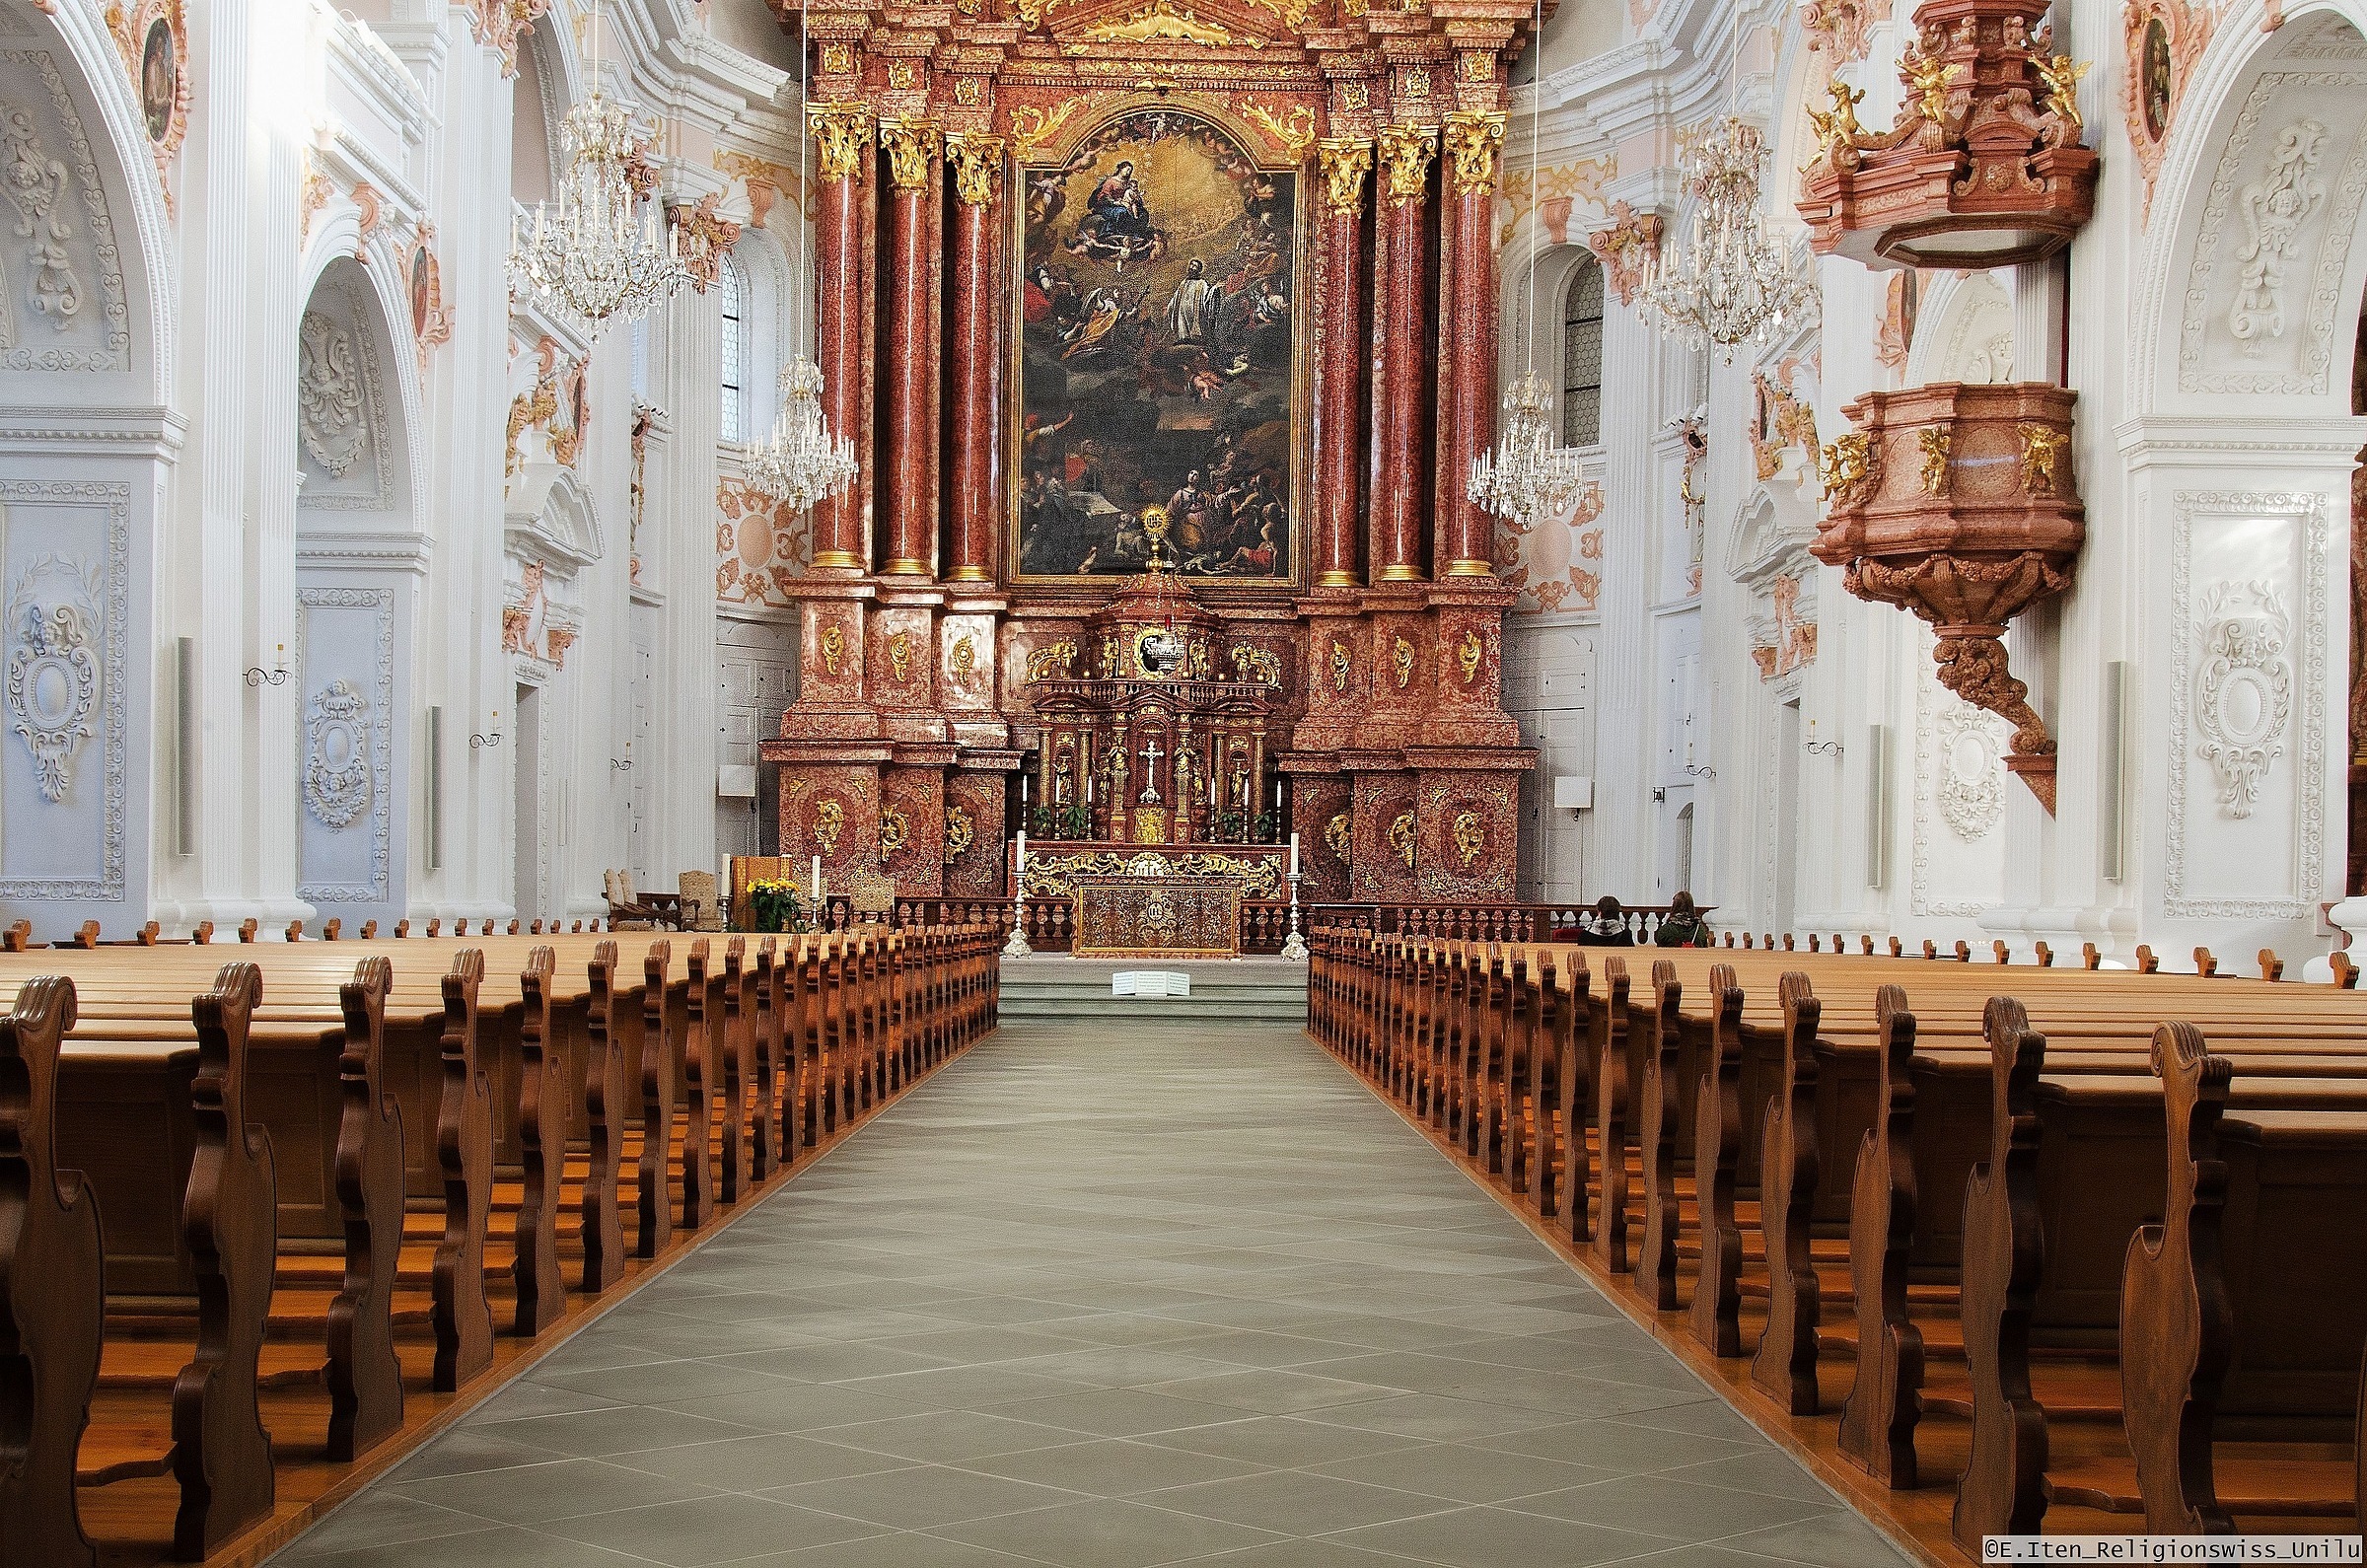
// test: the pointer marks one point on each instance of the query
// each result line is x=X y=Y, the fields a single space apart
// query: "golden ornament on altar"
x=976 y=159
x=1468 y=657
x=1339 y=667
x=829 y=820
x=841 y=131
x=909 y=141
x=1469 y=836
x=1473 y=137
x=834 y=647
x=1406 y=154
x=1344 y=161
x=1401 y=838
x=1295 y=134
x=899 y=657
x=1336 y=834
x=1400 y=660
x=1058 y=660
x=965 y=657
x=959 y=832
x=1031 y=126
x=895 y=831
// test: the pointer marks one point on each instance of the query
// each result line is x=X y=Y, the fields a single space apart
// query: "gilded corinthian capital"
x=976 y=161
x=1406 y=154
x=909 y=141
x=1473 y=137
x=841 y=131
x=1345 y=162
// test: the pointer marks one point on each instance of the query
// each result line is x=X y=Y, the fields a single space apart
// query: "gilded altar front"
x=1157 y=917
x=1056 y=871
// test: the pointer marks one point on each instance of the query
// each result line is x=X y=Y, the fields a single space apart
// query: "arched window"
x=1582 y=357
x=734 y=351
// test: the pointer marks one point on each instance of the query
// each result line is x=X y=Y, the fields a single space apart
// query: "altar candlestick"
x=1020 y=868
x=1294 y=854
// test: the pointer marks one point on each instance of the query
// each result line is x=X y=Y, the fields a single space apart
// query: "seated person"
x=1680 y=927
x=1606 y=927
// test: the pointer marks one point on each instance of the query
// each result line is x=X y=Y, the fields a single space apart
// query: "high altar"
x=1094 y=267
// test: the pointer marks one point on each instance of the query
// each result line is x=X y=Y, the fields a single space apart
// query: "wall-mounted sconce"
x=1692 y=771
x=258 y=676
x=478 y=743
x=622 y=764
x=1819 y=748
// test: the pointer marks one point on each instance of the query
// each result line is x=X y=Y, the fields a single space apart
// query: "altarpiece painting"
x=1158 y=361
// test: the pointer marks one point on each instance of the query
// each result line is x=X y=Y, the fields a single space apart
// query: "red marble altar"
x=925 y=657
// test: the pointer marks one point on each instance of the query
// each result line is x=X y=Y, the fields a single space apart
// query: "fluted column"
x=842 y=221
x=974 y=161
x=1401 y=353
x=1468 y=327
x=1339 y=402
x=910 y=362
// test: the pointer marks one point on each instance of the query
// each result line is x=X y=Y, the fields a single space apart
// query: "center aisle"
x=1110 y=1299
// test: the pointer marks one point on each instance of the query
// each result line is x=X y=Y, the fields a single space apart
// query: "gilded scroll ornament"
x=1053 y=663
x=895 y=831
x=2042 y=459
x=1032 y=128
x=1337 y=833
x=1935 y=445
x=899 y=657
x=1054 y=876
x=829 y=820
x=1339 y=668
x=909 y=141
x=834 y=647
x=1469 y=836
x=1294 y=135
x=1406 y=154
x=1343 y=160
x=1469 y=655
x=965 y=657
x=837 y=59
x=1401 y=838
x=959 y=832
x=1473 y=137
x=976 y=159
x=1401 y=662
x=842 y=132
x=1160 y=20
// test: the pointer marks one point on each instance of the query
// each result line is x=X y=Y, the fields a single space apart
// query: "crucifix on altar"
x=1151 y=755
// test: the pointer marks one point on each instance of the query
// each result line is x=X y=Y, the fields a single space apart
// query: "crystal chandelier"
x=587 y=251
x=801 y=462
x=1731 y=282
x=1529 y=473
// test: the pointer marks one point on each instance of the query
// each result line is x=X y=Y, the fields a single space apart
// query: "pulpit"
x=1158 y=918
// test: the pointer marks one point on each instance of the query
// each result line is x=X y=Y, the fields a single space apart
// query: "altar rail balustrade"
x=1265 y=923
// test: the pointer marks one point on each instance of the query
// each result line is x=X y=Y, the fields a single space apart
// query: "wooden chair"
x=701 y=902
x=647 y=909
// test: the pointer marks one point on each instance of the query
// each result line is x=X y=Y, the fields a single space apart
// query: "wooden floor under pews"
x=1995 y=1250
x=273 y=1214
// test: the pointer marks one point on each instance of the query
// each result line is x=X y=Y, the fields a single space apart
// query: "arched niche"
x=86 y=364
x=2249 y=291
x=361 y=556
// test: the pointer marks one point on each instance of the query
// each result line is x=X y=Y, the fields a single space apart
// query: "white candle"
x=1023 y=789
x=1019 y=867
x=818 y=883
x=1294 y=854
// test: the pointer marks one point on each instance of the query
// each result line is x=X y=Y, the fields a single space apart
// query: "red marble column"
x=975 y=162
x=1402 y=354
x=842 y=261
x=1468 y=326
x=910 y=358
x=1343 y=163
